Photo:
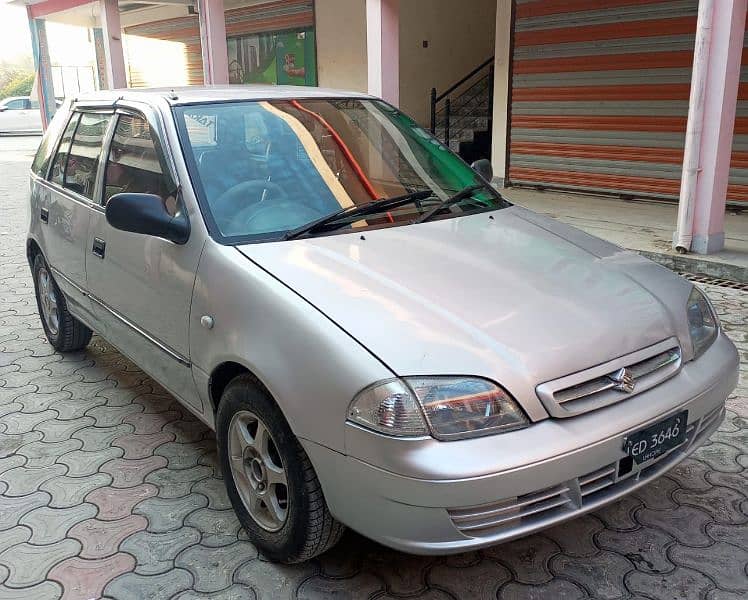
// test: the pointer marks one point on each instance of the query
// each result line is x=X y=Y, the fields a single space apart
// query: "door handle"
x=44 y=215
x=98 y=248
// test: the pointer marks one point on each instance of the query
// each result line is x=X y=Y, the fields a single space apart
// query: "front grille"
x=522 y=514
x=601 y=385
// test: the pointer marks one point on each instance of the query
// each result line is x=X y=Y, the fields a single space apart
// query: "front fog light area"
x=446 y=407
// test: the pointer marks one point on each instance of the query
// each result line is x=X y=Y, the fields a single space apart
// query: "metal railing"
x=442 y=104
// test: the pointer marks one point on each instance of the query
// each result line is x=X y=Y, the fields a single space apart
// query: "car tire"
x=300 y=526
x=63 y=330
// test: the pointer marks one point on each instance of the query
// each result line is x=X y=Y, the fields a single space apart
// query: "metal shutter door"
x=600 y=96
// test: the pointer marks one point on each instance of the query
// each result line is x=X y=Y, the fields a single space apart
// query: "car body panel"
x=312 y=368
x=493 y=295
x=64 y=238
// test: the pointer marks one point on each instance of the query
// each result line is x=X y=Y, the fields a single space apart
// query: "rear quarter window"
x=49 y=142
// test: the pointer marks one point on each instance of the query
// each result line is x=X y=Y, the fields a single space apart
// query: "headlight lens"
x=447 y=407
x=702 y=322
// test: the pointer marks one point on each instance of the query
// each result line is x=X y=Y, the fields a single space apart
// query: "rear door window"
x=61 y=158
x=83 y=158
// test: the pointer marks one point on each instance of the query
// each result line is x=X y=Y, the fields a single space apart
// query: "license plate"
x=657 y=439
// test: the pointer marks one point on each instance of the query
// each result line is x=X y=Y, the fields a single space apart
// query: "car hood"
x=509 y=295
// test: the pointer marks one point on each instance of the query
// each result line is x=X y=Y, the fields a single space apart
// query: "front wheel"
x=63 y=330
x=269 y=479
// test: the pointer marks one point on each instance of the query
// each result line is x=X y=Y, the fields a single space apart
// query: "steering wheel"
x=242 y=195
x=274 y=216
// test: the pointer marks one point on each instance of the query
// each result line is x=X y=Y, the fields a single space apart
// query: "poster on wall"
x=286 y=58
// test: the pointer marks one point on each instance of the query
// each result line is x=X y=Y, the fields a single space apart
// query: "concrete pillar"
x=98 y=38
x=43 y=82
x=112 y=34
x=213 y=42
x=383 y=49
x=501 y=90
x=720 y=102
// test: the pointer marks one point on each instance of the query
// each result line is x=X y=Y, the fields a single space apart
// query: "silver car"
x=20 y=114
x=380 y=340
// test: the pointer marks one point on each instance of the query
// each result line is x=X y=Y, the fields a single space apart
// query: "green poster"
x=295 y=64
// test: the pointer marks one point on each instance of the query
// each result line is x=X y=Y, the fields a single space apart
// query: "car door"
x=66 y=203
x=140 y=285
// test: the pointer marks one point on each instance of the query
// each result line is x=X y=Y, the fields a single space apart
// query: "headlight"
x=702 y=322
x=447 y=407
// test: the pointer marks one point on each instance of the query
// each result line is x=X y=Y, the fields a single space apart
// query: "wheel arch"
x=224 y=373
x=32 y=250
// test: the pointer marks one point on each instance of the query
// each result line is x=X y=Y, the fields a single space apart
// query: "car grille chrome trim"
x=535 y=510
x=611 y=382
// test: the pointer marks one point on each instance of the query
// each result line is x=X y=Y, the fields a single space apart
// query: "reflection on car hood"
x=509 y=295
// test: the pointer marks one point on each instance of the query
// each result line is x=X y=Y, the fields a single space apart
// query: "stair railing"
x=485 y=70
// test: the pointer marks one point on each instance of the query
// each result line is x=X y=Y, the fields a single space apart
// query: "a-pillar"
x=501 y=90
x=43 y=82
x=213 y=41
x=383 y=48
x=720 y=102
x=112 y=40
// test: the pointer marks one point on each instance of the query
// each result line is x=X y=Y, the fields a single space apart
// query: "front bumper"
x=416 y=503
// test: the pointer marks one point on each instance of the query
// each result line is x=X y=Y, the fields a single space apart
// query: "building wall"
x=341 y=44
x=460 y=36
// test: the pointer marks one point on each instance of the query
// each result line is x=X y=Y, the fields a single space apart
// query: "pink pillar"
x=112 y=33
x=720 y=101
x=383 y=48
x=213 y=41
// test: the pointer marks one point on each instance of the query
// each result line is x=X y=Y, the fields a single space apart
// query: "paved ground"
x=109 y=488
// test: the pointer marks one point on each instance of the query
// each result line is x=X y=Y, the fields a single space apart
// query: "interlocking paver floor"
x=109 y=488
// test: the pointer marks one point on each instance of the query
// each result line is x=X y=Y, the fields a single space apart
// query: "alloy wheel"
x=258 y=471
x=48 y=301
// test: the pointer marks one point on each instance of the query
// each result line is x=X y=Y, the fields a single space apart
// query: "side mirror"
x=3 y=108
x=146 y=214
x=483 y=168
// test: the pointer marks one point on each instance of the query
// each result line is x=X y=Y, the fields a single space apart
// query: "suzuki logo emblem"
x=624 y=380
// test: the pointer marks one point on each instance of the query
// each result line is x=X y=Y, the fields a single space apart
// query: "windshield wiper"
x=374 y=206
x=458 y=197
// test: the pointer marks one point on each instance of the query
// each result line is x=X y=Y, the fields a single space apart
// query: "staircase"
x=461 y=115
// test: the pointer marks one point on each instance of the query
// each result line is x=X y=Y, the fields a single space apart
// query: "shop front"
x=272 y=43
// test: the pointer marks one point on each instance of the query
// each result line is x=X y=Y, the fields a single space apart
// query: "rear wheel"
x=63 y=330
x=270 y=481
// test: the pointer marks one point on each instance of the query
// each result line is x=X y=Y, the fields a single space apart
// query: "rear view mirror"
x=146 y=214
x=483 y=168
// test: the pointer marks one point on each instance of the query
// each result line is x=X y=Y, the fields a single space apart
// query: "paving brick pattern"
x=108 y=488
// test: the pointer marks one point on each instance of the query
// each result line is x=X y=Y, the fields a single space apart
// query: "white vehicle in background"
x=20 y=114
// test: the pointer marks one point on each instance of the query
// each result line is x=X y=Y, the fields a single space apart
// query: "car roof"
x=215 y=93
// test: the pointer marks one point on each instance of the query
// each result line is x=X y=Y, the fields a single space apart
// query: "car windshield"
x=263 y=170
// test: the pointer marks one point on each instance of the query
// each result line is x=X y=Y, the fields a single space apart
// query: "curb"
x=698 y=266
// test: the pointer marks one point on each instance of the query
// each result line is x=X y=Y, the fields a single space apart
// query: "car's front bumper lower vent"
x=611 y=382
x=514 y=517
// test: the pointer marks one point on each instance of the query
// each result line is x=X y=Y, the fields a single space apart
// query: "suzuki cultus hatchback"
x=379 y=339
